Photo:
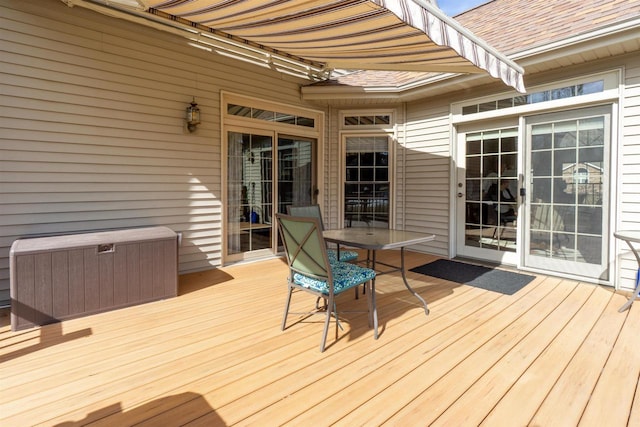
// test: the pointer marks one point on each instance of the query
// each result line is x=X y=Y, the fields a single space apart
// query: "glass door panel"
x=296 y=185
x=488 y=206
x=567 y=210
x=249 y=193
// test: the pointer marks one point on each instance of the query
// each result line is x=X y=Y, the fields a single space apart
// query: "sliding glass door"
x=567 y=210
x=249 y=193
x=258 y=187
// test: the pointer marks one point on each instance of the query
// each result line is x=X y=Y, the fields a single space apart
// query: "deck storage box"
x=62 y=277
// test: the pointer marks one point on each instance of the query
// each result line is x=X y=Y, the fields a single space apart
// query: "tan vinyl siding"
x=399 y=178
x=332 y=198
x=427 y=173
x=629 y=164
x=92 y=133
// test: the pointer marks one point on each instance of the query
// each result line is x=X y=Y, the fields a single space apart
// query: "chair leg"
x=374 y=311
x=369 y=305
x=330 y=303
x=286 y=308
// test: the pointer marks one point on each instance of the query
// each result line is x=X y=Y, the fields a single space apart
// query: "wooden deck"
x=557 y=353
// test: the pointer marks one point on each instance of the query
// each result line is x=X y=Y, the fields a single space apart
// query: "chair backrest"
x=304 y=246
x=311 y=211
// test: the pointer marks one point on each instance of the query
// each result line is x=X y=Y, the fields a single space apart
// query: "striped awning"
x=396 y=35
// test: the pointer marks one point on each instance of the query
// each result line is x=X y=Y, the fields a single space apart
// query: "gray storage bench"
x=62 y=277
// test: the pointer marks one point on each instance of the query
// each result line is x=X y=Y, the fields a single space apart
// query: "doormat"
x=505 y=282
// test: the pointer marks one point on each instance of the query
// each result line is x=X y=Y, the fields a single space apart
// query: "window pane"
x=383 y=120
x=470 y=109
x=490 y=143
x=589 y=220
x=541 y=137
x=259 y=114
x=508 y=144
x=474 y=144
x=366 y=174
x=591 y=131
x=286 y=118
x=565 y=92
x=305 y=121
x=592 y=87
x=539 y=97
x=487 y=106
x=351 y=120
x=239 y=110
x=473 y=167
x=366 y=159
x=541 y=190
x=505 y=103
x=564 y=134
x=382 y=174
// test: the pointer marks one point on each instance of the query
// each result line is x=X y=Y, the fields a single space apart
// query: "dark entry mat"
x=505 y=282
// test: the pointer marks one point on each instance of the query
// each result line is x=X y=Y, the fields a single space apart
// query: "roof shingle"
x=517 y=25
x=513 y=26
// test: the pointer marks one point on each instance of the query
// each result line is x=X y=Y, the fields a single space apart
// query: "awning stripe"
x=352 y=33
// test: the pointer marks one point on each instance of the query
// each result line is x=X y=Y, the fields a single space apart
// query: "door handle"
x=460 y=194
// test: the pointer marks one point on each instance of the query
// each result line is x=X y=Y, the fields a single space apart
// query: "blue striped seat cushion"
x=345 y=276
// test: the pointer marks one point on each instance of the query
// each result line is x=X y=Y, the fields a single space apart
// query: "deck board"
x=555 y=353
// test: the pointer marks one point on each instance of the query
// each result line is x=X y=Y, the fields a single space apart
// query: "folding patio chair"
x=310 y=270
x=313 y=211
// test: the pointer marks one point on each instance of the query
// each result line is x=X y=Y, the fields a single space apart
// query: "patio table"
x=374 y=239
x=631 y=237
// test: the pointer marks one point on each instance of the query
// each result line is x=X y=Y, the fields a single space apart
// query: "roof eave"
x=442 y=83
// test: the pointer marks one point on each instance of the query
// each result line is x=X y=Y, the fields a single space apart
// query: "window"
x=368 y=120
x=568 y=91
x=270 y=116
x=366 y=181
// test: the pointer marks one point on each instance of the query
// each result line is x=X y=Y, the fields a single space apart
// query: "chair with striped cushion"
x=311 y=271
x=313 y=211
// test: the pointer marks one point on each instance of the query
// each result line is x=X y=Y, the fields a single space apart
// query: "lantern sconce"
x=193 y=116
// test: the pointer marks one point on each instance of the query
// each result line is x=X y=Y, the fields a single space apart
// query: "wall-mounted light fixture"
x=193 y=116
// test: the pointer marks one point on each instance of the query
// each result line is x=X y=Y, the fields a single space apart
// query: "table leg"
x=374 y=310
x=636 y=294
x=373 y=293
x=636 y=291
x=406 y=283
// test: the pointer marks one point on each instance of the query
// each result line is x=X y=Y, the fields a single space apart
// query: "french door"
x=559 y=176
x=487 y=194
x=258 y=187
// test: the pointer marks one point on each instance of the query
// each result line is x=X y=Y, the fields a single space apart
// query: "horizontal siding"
x=331 y=198
x=427 y=173
x=629 y=171
x=92 y=131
